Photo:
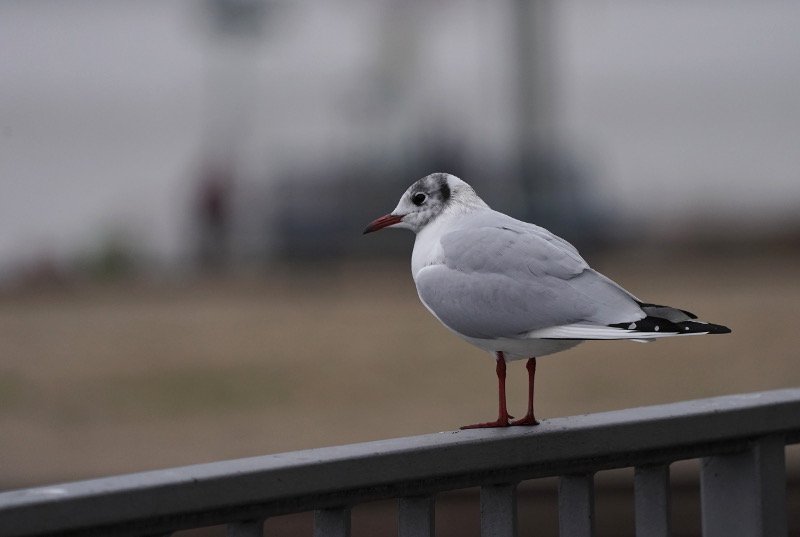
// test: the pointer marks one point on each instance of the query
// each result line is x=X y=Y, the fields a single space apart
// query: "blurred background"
x=184 y=185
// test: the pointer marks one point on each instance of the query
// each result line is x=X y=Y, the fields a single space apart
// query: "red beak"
x=382 y=222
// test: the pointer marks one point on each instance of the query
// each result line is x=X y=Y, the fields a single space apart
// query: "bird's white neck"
x=427 y=246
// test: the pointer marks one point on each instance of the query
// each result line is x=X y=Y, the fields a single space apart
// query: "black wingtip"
x=657 y=324
x=717 y=329
x=648 y=306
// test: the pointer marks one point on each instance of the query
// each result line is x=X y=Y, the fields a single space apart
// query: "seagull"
x=515 y=289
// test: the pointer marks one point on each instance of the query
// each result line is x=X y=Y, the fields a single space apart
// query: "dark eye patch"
x=418 y=198
x=444 y=190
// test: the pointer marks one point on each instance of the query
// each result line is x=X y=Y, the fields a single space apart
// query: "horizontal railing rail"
x=741 y=439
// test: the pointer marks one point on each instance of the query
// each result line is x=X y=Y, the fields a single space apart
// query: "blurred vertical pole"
x=397 y=58
x=536 y=137
x=235 y=28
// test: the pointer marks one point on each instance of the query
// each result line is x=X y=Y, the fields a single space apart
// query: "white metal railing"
x=741 y=440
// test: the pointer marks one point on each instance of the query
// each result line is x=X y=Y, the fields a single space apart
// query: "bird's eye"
x=418 y=198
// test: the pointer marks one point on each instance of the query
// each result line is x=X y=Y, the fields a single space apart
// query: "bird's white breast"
x=428 y=247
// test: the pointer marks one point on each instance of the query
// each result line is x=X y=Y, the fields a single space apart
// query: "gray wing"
x=503 y=281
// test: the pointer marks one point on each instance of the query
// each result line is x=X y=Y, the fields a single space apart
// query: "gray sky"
x=693 y=105
x=682 y=108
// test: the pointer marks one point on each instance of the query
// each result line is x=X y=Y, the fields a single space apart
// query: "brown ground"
x=98 y=380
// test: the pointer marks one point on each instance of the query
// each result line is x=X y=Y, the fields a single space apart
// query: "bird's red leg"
x=502 y=418
x=529 y=418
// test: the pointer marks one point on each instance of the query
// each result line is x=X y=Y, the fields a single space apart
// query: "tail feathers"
x=666 y=325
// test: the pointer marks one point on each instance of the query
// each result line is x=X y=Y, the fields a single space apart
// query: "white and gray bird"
x=513 y=288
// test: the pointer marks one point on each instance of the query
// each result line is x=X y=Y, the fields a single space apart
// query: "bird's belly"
x=518 y=349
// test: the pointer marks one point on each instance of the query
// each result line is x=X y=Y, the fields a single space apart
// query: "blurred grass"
x=13 y=390
x=217 y=391
x=122 y=376
x=155 y=394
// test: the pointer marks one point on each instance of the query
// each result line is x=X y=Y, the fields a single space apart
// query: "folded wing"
x=500 y=277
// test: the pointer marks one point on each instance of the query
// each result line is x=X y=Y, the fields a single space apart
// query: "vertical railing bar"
x=576 y=505
x=744 y=494
x=416 y=516
x=652 y=501
x=245 y=528
x=499 y=510
x=770 y=456
x=332 y=522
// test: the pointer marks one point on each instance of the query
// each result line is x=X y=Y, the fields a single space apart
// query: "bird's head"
x=424 y=201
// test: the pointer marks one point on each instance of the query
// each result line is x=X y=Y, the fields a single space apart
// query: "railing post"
x=246 y=528
x=652 y=501
x=415 y=516
x=576 y=506
x=499 y=510
x=744 y=494
x=332 y=522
